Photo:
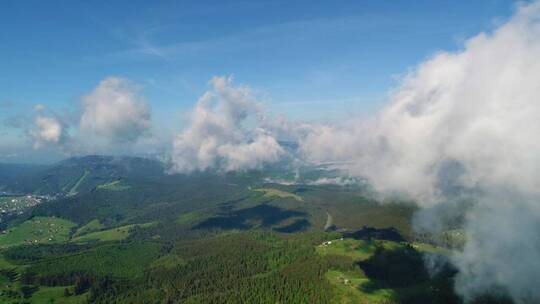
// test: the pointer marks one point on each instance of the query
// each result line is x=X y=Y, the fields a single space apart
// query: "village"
x=15 y=204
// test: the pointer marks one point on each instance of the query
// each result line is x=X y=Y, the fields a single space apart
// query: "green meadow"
x=272 y=193
x=113 y=234
x=38 y=230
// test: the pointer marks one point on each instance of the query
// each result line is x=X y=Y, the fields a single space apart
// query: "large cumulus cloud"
x=464 y=123
x=115 y=111
x=225 y=132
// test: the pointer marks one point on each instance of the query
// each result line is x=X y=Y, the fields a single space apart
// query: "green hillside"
x=124 y=231
x=38 y=230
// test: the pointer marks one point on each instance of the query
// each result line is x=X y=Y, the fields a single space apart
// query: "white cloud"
x=39 y=107
x=47 y=129
x=219 y=135
x=340 y=181
x=115 y=112
x=465 y=120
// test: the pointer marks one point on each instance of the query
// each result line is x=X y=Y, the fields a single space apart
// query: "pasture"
x=38 y=230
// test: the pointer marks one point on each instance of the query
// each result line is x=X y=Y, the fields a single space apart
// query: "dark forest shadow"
x=367 y=233
x=296 y=226
x=266 y=215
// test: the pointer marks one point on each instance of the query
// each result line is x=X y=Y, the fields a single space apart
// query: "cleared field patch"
x=73 y=189
x=10 y=293
x=357 y=286
x=38 y=230
x=114 y=234
x=117 y=185
x=423 y=247
x=356 y=249
x=360 y=250
x=168 y=261
x=56 y=295
x=271 y=192
x=92 y=226
x=189 y=217
x=353 y=287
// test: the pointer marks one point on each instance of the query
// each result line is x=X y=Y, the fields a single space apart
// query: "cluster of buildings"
x=326 y=243
x=16 y=204
x=343 y=280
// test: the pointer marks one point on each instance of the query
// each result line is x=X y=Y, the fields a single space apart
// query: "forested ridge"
x=123 y=231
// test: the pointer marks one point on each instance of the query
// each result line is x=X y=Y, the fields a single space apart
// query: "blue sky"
x=312 y=60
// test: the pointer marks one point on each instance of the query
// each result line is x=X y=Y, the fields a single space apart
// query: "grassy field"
x=423 y=247
x=355 y=286
x=116 y=185
x=38 y=230
x=92 y=226
x=271 y=192
x=189 y=218
x=43 y=295
x=169 y=261
x=355 y=249
x=358 y=250
x=114 y=234
x=55 y=295
x=119 y=260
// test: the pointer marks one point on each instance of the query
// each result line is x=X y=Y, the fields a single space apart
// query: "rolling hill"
x=209 y=237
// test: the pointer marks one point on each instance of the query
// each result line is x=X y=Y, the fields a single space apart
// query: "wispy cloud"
x=146 y=48
x=147 y=44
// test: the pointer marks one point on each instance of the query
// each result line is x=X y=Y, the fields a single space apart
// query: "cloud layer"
x=225 y=132
x=462 y=123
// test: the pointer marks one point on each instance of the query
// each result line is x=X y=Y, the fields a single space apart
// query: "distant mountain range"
x=76 y=174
